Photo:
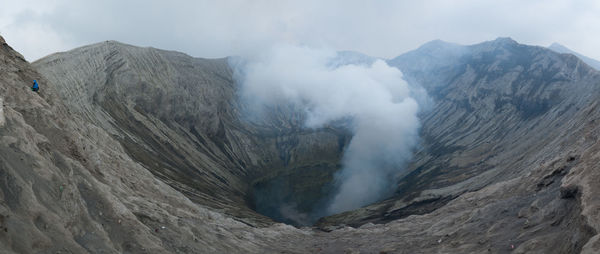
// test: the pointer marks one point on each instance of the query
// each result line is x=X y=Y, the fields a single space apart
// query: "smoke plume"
x=372 y=94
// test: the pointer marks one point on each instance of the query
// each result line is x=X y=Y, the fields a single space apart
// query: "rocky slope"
x=564 y=50
x=137 y=150
x=180 y=117
x=67 y=185
x=505 y=115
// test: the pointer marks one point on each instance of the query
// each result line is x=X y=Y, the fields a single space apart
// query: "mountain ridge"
x=490 y=173
x=185 y=111
x=487 y=125
x=562 y=49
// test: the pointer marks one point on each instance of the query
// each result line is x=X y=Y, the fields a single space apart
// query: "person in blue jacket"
x=35 y=86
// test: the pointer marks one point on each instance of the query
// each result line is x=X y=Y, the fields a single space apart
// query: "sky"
x=384 y=28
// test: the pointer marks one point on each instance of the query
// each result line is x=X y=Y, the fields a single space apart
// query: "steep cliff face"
x=129 y=149
x=67 y=184
x=502 y=101
x=506 y=117
x=564 y=50
x=179 y=116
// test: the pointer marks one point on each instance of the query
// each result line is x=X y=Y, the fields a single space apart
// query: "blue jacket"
x=35 y=84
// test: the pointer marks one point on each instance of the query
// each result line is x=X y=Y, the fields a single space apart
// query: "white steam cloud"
x=375 y=97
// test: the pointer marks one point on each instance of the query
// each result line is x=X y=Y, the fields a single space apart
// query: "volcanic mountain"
x=137 y=150
x=564 y=50
x=180 y=118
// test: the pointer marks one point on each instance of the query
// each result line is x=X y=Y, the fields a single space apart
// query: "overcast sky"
x=235 y=27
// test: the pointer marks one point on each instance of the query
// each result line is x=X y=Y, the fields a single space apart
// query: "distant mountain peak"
x=111 y=43
x=437 y=44
x=559 y=48
x=503 y=40
x=500 y=42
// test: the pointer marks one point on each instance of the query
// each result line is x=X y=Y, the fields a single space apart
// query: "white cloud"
x=221 y=28
x=375 y=97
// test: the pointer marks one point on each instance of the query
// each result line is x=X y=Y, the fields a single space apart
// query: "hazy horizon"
x=217 y=29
